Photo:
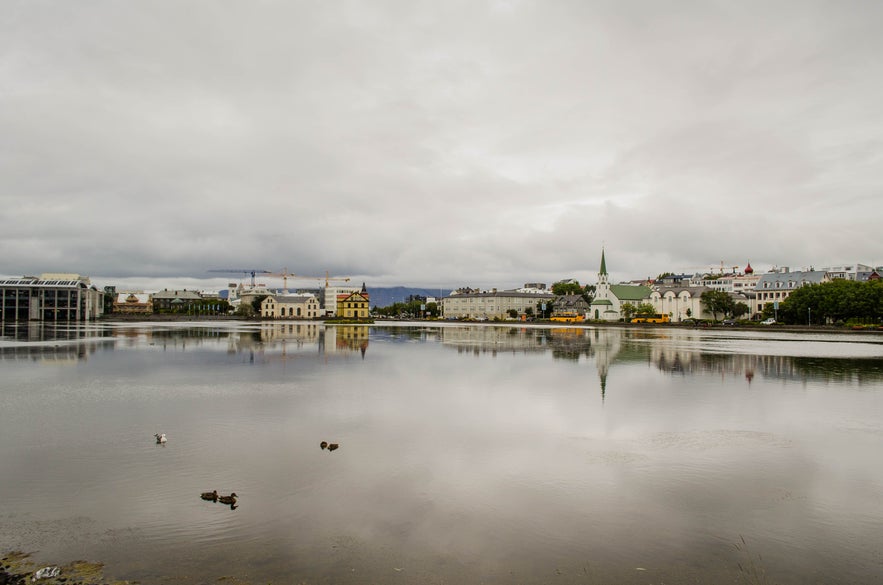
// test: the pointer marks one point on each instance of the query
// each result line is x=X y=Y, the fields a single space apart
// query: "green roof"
x=603 y=263
x=630 y=292
x=601 y=302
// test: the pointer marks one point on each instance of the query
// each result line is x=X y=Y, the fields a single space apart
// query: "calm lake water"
x=468 y=454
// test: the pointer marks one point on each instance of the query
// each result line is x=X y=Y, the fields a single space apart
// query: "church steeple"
x=602 y=274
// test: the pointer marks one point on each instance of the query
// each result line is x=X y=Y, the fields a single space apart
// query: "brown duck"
x=231 y=499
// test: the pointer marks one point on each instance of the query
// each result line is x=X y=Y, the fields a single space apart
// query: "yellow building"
x=133 y=303
x=353 y=305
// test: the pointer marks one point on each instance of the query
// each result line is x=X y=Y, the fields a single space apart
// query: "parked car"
x=769 y=321
x=729 y=322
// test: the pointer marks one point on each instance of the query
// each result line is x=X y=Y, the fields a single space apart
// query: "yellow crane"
x=328 y=278
x=285 y=275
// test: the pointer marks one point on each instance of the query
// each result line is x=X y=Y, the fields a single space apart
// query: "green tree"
x=645 y=309
x=567 y=287
x=256 y=303
x=836 y=301
x=245 y=310
x=589 y=293
x=740 y=309
x=513 y=313
x=717 y=301
x=627 y=310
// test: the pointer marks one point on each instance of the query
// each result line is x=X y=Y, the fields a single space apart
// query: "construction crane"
x=327 y=278
x=285 y=275
x=251 y=271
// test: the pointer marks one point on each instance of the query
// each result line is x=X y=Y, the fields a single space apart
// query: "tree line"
x=838 y=301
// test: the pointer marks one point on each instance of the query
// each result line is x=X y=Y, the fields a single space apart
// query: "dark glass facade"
x=39 y=300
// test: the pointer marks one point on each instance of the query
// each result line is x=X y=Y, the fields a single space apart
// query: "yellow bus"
x=567 y=317
x=655 y=318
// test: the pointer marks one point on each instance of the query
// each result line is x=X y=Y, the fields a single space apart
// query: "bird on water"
x=231 y=499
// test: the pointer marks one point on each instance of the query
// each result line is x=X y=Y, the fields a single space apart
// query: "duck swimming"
x=231 y=499
x=160 y=437
x=323 y=444
x=210 y=496
x=333 y=446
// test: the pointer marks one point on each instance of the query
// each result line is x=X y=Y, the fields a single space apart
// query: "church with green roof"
x=609 y=298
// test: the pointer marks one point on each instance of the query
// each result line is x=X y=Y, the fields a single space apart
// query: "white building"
x=495 y=304
x=609 y=298
x=775 y=287
x=290 y=307
x=330 y=296
x=860 y=272
x=679 y=302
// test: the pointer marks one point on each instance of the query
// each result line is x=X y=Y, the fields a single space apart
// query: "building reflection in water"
x=675 y=353
x=52 y=343
x=260 y=342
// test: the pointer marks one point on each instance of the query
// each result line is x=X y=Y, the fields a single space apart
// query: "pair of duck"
x=329 y=446
x=213 y=496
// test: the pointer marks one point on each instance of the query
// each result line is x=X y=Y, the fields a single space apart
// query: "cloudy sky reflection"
x=467 y=453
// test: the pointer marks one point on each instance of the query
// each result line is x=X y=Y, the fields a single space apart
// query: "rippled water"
x=468 y=454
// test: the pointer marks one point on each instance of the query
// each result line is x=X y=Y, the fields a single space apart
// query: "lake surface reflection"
x=468 y=454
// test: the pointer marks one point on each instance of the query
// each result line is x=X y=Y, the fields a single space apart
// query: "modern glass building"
x=51 y=297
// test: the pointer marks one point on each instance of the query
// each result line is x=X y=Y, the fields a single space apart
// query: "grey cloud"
x=413 y=142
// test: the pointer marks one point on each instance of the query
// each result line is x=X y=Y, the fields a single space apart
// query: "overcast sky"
x=453 y=143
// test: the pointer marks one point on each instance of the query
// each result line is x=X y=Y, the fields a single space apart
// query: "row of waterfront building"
x=72 y=297
x=679 y=297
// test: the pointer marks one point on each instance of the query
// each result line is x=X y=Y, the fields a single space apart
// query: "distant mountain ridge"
x=385 y=296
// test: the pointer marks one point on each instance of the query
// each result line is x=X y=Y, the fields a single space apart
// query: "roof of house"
x=292 y=299
x=175 y=294
x=353 y=296
x=693 y=290
x=503 y=293
x=786 y=280
x=30 y=281
x=628 y=292
x=129 y=298
x=570 y=301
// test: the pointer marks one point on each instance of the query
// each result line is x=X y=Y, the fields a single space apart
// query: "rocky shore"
x=17 y=568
